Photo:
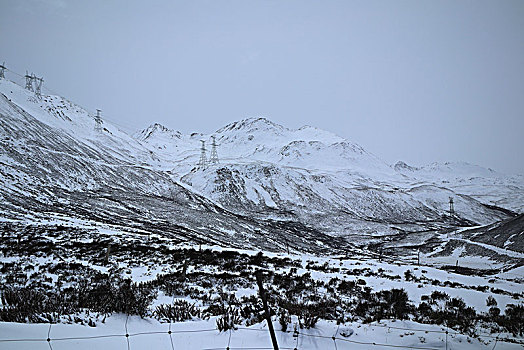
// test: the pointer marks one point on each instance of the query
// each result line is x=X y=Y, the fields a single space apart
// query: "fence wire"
x=295 y=336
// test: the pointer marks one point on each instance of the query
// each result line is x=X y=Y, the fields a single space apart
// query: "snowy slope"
x=54 y=156
x=486 y=185
x=217 y=273
x=59 y=113
x=54 y=163
x=312 y=175
x=258 y=139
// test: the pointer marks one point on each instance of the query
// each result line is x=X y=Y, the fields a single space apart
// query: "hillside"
x=298 y=182
x=59 y=283
x=111 y=239
x=486 y=185
x=56 y=167
x=268 y=170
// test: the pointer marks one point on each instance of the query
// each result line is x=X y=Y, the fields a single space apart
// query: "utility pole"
x=203 y=159
x=2 y=71
x=29 y=81
x=451 y=209
x=262 y=293
x=98 y=120
x=214 y=155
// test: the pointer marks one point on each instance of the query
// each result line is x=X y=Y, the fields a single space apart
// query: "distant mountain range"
x=273 y=187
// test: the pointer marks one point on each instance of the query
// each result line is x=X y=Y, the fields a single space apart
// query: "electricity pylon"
x=98 y=120
x=203 y=159
x=214 y=155
x=38 y=86
x=29 y=81
x=2 y=71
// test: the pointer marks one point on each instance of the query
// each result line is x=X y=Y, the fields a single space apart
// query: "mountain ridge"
x=268 y=176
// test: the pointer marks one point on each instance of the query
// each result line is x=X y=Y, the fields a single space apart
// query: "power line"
x=15 y=73
x=32 y=80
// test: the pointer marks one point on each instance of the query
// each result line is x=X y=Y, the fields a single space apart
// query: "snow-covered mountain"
x=258 y=139
x=306 y=184
x=486 y=185
x=316 y=177
x=56 y=166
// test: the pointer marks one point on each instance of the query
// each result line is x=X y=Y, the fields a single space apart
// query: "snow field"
x=199 y=335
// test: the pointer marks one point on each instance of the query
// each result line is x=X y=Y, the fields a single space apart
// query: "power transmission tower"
x=2 y=71
x=29 y=81
x=98 y=120
x=214 y=155
x=451 y=209
x=38 y=86
x=203 y=159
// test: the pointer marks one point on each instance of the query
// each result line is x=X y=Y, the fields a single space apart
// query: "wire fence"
x=289 y=337
x=128 y=337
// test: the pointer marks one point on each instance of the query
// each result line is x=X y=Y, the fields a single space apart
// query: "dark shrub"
x=229 y=319
x=179 y=311
x=460 y=316
x=392 y=303
x=284 y=319
x=514 y=320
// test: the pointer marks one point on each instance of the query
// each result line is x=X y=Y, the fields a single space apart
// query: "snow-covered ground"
x=201 y=335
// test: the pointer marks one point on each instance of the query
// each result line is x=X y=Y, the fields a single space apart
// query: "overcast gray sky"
x=418 y=81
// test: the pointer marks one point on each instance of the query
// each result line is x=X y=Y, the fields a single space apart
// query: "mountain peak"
x=400 y=166
x=156 y=129
x=460 y=167
x=252 y=124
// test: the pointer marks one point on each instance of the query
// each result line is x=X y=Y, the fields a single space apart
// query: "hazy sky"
x=418 y=81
